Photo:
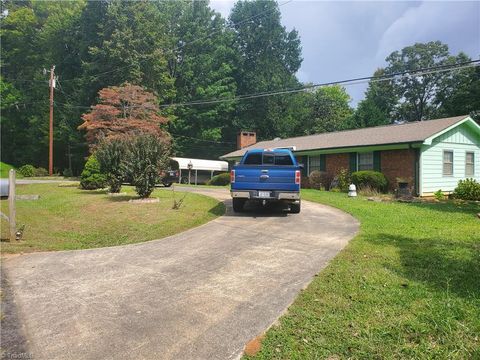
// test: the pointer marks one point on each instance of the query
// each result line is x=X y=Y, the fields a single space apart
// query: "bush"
x=67 y=173
x=220 y=180
x=319 y=180
x=41 y=172
x=111 y=155
x=145 y=156
x=439 y=195
x=27 y=170
x=91 y=177
x=341 y=181
x=468 y=189
x=372 y=179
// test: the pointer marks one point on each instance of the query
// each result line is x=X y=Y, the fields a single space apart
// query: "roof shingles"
x=380 y=135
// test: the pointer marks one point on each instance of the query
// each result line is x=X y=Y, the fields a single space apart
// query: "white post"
x=196 y=176
x=11 y=204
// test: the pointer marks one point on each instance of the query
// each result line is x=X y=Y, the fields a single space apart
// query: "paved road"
x=201 y=294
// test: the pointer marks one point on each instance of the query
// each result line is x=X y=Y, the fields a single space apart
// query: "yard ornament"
x=352 y=190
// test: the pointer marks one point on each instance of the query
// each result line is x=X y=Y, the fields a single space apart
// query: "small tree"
x=111 y=154
x=123 y=110
x=91 y=177
x=146 y=155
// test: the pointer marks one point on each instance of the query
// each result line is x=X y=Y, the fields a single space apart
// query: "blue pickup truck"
x=266 y=175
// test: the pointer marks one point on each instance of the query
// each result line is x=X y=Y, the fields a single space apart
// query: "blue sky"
x=345 y=39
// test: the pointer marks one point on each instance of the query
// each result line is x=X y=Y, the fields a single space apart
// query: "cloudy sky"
x=342 y=40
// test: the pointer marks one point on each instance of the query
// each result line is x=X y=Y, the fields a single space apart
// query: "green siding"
x=460 y=140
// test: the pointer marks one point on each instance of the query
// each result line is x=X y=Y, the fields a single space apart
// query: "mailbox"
x=4 y=187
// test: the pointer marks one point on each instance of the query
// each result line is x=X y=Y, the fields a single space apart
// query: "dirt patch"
x=254 y=346
x=144 y=201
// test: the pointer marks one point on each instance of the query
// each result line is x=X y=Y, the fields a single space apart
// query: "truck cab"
x=266 y=175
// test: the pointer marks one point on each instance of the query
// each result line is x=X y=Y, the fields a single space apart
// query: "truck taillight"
x=232 y=176
x=298 y=177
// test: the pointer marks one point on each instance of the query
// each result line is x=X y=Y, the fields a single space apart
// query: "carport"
x=198 y=170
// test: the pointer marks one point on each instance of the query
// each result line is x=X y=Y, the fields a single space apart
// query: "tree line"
x=197 y=65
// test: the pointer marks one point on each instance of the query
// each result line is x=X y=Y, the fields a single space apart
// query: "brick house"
x=426 y=156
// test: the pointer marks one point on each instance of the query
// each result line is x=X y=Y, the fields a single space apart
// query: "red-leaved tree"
x=123 y=110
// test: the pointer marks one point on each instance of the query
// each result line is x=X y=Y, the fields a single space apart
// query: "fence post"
x=11 y=204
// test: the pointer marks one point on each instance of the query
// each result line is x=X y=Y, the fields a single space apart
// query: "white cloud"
x=454 y=23
x=342 y=40
x=222 y=6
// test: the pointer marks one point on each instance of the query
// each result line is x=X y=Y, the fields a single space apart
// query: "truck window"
x=283 y=160
x=253 y=159
x=268 y=159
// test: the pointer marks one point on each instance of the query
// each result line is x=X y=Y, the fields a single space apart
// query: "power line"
x=345 y=82
x=194 y=138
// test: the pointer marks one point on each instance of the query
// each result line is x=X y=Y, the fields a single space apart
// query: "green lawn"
x=66 y=218
x=5 y=168
x=408 y=286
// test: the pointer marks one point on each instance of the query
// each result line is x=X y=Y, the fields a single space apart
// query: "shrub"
x=27 y=170
x=145 y=156
x=341 y=181
x=220 y=180
x=439 y=195
x=367 y=178
x=316 y=180
x=111 y=155
x=91 y=177
x=41 y=172
x=468 y=189
x=68 y=173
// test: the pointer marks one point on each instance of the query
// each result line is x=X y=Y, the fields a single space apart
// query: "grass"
x=408 y=286
x=5 y=168
x=67 y=218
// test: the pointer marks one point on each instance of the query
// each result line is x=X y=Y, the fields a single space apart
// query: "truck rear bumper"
x=273 y=195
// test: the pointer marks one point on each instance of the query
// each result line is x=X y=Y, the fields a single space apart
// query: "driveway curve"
x=201 y=294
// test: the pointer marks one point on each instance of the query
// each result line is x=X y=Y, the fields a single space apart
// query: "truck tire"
x=238 y=204
x=167 y=184
x=295 y=208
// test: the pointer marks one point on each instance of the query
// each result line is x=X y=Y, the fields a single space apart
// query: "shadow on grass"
x=445 y=265
x=450 y=206
x=90 y=192
x=218 y=210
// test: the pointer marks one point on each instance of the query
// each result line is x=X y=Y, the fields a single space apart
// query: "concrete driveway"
x=201 y=294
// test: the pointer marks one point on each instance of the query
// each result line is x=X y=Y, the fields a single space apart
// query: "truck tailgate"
x=259 y=178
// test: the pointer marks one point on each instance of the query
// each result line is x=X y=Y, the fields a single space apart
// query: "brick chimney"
x=246 y=138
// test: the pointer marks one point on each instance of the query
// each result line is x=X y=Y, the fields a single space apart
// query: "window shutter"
x=376 y=161
x=322 y=162
x=353 y=162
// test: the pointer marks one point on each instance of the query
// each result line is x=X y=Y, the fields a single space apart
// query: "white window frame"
x=471 y=164
x=370 y=166
x=443 y=162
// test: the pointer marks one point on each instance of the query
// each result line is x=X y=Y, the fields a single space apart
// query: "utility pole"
x=50 y=148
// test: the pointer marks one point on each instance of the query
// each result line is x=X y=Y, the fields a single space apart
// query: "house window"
x=448 y=163
x=470 y=164
x=365 y=161
x=314 y=163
